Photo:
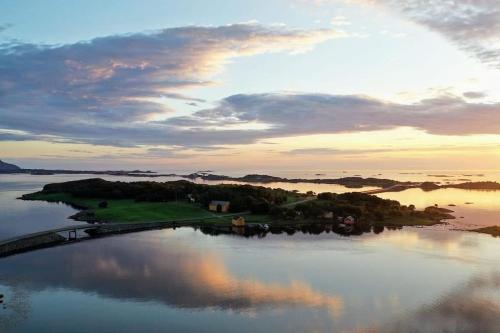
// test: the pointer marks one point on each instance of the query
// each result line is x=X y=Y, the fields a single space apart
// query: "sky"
x=250 y=85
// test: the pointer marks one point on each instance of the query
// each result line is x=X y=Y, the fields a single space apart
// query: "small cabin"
x=238 y=221
x=349 y=220
x=219 y=206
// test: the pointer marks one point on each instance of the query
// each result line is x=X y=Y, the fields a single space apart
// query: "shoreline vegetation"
x=101 y=201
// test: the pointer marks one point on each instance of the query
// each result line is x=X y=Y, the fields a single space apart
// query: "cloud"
x=191 y=100
x=109 y=91
x=365 y=152
x=334 y=151
x=340 y=21
x=474 y=94
x=288 y=114
x=313 y=151
x=106 y=89
x=472 y=25
x=276 y=115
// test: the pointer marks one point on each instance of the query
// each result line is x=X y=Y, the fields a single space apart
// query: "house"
x=219 y=206
x=349 y=220
x=238 y=221
x=238 y=230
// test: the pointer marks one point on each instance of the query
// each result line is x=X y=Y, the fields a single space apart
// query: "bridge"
x=393 y=188
x=70 y=234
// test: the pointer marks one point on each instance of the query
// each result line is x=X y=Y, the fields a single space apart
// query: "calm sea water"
x=410 y=280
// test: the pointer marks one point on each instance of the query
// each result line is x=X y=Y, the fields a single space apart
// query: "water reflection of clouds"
x=473 y=307
x=457 y=245
x=166 y=272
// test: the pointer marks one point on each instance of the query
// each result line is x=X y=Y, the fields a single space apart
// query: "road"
x=393 y=188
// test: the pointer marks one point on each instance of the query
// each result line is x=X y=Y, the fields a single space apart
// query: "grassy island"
x=105 y=201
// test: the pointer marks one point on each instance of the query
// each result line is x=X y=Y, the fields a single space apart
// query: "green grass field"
x=132 y=211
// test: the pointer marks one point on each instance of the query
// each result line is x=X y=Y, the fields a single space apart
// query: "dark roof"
x=217 y=202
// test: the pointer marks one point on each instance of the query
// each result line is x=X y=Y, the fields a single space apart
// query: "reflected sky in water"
x=19 y=217
x=287 y=283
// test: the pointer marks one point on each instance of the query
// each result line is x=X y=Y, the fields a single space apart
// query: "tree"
x=326 y=196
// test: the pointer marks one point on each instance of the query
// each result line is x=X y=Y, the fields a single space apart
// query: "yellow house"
x=238 y=221
x=219 y=206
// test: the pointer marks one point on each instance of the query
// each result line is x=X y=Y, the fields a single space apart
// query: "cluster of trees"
x=360 y=205
x=257 y=199
x=140 y=191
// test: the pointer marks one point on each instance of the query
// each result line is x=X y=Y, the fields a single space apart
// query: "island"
x=492 y=230
x=241 y=209
x=355 y=182
x=385 y=185
x=484 y=185
x=350 y=182
x=7 y=167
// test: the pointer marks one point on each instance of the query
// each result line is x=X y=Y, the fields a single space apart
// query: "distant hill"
x=6 y=167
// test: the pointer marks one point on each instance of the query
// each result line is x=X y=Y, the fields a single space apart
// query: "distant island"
x=350 y=182
x=216 y=207
x=7 y=167
x=386 y=185
x=485 y=185
x=492 y=230
x=355 y=182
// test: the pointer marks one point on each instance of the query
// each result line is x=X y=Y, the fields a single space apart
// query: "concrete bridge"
x=393 y=188
x=74 y=233
x=41 y=239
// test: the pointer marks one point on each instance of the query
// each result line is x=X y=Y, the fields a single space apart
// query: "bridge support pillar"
x=72 y=234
